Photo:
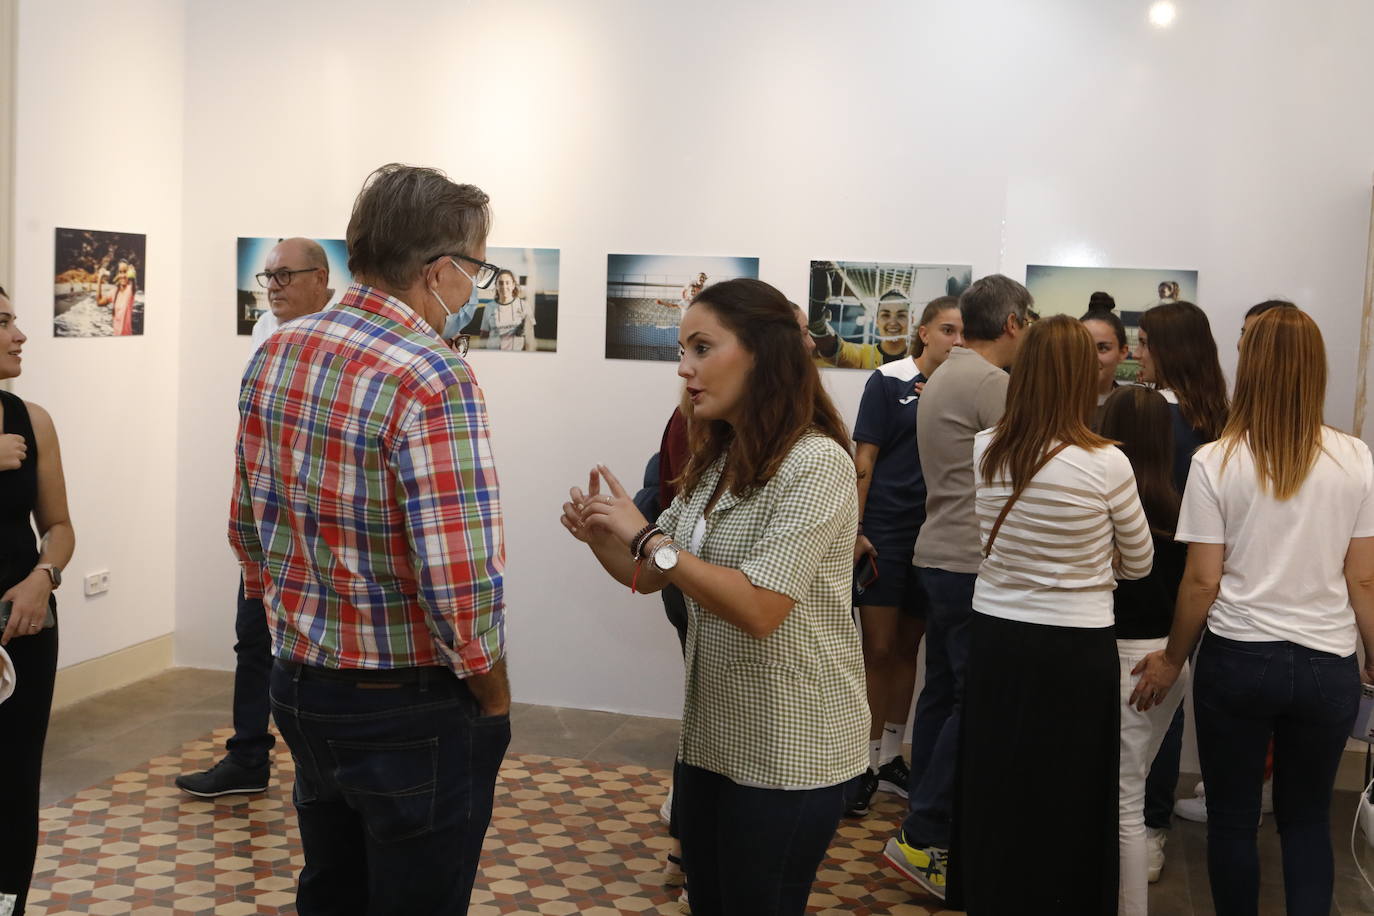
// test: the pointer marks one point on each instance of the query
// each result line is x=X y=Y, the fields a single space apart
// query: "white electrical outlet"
x=98 y=583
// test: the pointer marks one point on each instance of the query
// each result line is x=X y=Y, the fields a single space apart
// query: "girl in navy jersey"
x=892 y=495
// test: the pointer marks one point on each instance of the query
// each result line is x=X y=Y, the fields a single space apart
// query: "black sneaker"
x=894 y=776
x=226 y=778
x=868 y=784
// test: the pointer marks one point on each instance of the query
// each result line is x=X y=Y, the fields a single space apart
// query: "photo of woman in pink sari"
x=126 y=284
x=99 y=283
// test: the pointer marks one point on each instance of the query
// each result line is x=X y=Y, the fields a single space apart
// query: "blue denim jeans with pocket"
x=395 y=774
x=1244 y=692
x=750 y=851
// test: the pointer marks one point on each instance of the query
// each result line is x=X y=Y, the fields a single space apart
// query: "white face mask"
x=456 y=321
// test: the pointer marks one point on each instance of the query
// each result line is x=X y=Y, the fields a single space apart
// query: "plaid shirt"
x=365 y=506
x=789 y=710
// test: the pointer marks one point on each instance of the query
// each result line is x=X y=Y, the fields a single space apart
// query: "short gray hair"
x=986 y=304
x=406 y=215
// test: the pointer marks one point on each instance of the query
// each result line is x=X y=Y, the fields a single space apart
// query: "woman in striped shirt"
x=1061 y=521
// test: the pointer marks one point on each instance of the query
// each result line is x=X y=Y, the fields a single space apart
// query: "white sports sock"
x=874 y=751
x=892 y=741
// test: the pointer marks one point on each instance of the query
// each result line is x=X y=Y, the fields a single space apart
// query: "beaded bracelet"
x=642 y=540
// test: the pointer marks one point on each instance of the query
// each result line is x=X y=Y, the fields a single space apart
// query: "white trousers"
x=1141 y=735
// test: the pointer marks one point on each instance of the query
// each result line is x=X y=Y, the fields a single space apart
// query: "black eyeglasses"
x=282 y=276
x=460 y=344
x=486 y=272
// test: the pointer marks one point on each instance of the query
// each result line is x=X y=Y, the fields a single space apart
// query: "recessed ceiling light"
x=1162 y=14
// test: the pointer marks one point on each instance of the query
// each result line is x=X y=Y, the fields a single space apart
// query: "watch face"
x=665 y=557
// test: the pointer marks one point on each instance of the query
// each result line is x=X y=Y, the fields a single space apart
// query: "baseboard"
x=98 y=675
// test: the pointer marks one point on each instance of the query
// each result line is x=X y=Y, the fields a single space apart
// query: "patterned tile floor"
x=567 y=836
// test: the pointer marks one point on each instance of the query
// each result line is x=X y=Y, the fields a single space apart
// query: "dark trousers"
x=23 y=729
x=935 y=730
x=252 y=743
x=675 y=609
x=1162 y=780
x=395 y=774
x=1244 y=693
x=752 y=852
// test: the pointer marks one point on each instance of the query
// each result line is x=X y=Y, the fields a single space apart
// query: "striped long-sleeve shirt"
x=365 y=509
x=1052 y=560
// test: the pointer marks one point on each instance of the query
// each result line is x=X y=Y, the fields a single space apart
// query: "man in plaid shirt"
x=366 y=514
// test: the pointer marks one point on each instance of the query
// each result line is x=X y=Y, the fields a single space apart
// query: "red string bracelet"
x=635 y=580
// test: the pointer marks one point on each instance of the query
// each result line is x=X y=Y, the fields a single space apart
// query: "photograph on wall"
x=99 y=284
x=863 y=313
x=646 y=294
x=519 y=311
x=252 y=260
x=1133 y=291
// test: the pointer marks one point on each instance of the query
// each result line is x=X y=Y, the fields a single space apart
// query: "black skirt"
x=1035 y=816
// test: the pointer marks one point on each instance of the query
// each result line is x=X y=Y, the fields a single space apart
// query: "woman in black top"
x=32 y=493
x=1140 y=420
x=1178 y=356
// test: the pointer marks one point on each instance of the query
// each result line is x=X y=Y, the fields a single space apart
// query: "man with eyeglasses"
x=366 y=514
x=296 y=277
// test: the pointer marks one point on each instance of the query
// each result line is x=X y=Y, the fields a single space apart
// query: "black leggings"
x=23 y=728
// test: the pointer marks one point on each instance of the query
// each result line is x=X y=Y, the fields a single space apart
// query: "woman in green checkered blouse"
x=760 y=539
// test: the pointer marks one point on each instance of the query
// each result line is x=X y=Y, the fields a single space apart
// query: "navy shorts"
x=898 y=584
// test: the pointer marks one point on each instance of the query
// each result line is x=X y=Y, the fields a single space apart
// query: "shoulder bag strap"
x=1016 y=494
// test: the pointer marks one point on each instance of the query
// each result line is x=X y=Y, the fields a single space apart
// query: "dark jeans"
x=23 y=729
x=1162 y=781
x=252 y=743
x=395 y=773
x=935 y=730
x=1244 y=693
x=752 y=852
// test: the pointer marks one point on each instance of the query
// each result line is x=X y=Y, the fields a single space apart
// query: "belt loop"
x=296 y=670
x=424 y=679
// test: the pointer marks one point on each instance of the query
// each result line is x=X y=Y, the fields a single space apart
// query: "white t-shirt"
x=1283 y=577
x=1052 y=560
x=263 y=328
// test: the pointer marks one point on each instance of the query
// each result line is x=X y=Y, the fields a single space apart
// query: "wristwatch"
x=54 y=574
x=665 y=554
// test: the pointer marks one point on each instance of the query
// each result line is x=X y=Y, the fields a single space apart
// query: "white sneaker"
x=665 y=811
x=1154 y=852
x=1195 y=809
x=1192 y=809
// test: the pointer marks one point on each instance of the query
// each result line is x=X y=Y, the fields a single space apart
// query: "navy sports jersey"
x=896 y=504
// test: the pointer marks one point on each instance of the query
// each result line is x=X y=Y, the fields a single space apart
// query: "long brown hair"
x=1280 y=389
x=932 y=311
x=1184 y=354
x=1051 y=397
x=783 y=398
x=1139 y=420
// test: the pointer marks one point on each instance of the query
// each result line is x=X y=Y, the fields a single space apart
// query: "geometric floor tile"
x=567 y=836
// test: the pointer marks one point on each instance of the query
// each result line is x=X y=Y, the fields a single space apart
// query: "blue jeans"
x=395 y=774
x=935 y=731
x=251 y=746
x=1243 y=693
x=749 y=851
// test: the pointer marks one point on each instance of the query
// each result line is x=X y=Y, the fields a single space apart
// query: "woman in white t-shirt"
x=1056 y=503
x=509 y=322
x=1279 y=519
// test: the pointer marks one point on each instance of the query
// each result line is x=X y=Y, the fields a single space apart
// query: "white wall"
x=99 y=146
x=996 y=133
